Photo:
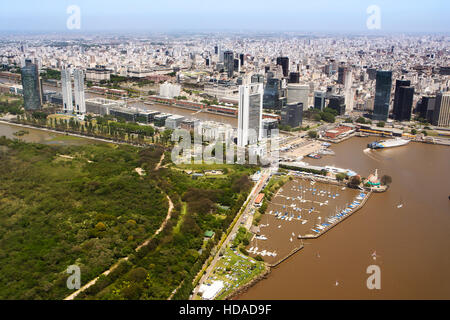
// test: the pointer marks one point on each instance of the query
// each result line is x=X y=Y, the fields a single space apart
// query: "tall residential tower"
x=66 y=86
x=250 y=114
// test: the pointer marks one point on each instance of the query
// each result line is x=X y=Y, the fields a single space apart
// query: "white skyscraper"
x=348 y=91
x=80 y=104
x=66 y=84
x=250 y=113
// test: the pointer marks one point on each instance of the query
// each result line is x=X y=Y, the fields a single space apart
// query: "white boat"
x=400 y=206
x=397 y=142
x=304 y=221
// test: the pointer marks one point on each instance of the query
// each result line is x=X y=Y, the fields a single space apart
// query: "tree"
x=381 y=124
x=413 y=131
x=354 y=182
x=361 y=120
x=328 y=116
x=341 y=176
x=386 y=180
x=312 y=134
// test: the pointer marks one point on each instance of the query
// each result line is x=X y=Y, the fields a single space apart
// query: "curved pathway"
x=146 y=242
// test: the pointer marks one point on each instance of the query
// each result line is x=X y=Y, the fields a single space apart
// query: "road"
x=251 y=198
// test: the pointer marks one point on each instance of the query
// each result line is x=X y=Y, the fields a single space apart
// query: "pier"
x=363 y=202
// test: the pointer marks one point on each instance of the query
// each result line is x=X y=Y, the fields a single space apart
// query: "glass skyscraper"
x=228 y=60
x=31 y=86
x=382 y=95
x=403 y=100
x=284 y=63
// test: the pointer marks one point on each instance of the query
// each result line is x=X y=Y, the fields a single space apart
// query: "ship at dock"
x=397 y=142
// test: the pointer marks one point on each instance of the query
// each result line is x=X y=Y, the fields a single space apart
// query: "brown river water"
x=411 y=243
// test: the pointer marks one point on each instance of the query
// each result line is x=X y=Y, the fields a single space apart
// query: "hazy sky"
x=234 y=15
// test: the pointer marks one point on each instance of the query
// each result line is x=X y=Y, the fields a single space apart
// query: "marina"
x=414 y=205
x=301 y=209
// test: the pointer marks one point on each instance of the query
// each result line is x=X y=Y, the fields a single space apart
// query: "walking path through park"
x=146 y=242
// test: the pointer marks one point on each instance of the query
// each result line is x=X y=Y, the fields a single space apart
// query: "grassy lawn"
x=235 y=270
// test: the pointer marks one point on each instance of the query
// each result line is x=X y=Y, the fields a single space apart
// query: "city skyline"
x=199 y=15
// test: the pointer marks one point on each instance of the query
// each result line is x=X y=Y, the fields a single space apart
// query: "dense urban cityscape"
x=224 y=165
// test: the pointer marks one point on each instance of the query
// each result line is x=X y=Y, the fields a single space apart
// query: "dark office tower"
x=398 y=84
x=228 y=61
x=319 y=100
x=404 y=104
x=273 y=94
x=337 y=103
x=32 y=94
x=216 y=50
x=425 y=108
x=382 y=95
x=294 y=77
x=266 y=69
x=292 y=115
x=403 y=100
x=341 y=74
x=207 y=62
x=237 y=65
x=284 y=63
x=241 y=57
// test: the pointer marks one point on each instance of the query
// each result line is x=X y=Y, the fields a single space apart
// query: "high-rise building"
x=228 y=61
x=403 y=100
x=341 y=74
x=319 y=100
x=349 y=95
x=337 y=103
x=298 y=93
x=294 y=77
x=80 y=104
x=284 y=63
x=66 y=89
x=32 y=89
x=268 y=126
x=441 y=114
x=274 y=94
x=250 y=113
x=241 y=57
x=292 y=114
x=425 y=108
x=237 y=65
x=382 y=95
